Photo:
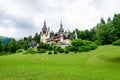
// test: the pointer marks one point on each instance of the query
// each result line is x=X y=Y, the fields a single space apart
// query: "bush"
x=80 y=49
x=98 y=42
x=41 y=51
x=87 y=42
x=2 y=53
x=66 y=51
x=92 y=46
x=85 y=48
x=82 y=45
x=117 y=43
x=78 y=42
x=71 y=48
x=20 y=50
x=50 y=53
x=25 y=52
x=31 y=51
x=55 y=52
x=61 y=50
x=50 y=48
x=75 y=52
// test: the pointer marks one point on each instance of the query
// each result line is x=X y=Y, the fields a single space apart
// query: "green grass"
x=100 y=64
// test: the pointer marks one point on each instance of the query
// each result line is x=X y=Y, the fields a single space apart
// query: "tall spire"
x=61 y=28
x=61 y=24
x=44 y=24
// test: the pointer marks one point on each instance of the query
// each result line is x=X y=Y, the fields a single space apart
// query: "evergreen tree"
x=109 y=19
x=102 y=21
x=13 y=46
x=116 y=24
x=36 y=37
x=1 y=48
x=52 y=33
x=6 y=47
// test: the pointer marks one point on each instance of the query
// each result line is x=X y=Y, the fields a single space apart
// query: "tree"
x=102 y=21
x=52 y=33
x=81 y=35
x=109 y=19
x=93 y=34
x=13 y=46
x=106 y=33
x=116 y=24
x=1 y=48
x=6 y=47
x=87 y=34
x=36 y=37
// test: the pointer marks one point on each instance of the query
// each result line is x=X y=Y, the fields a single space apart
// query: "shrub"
x=80 y=49
x=31 y=51
x=20 y=50
x=71 y=48
x=77 y=42
x=54 y=48
x=66 y=51
x=50 y=48
x=82 y=45
x=49 y=52
x=2 y=53
x=87 y=42
x=61 y=50
x=98 y=42
x=75 y=52
x=25 y=52
x=117 y=43
x=92 y=46
x=41 y=51
x=55 y=52
x=85 y=48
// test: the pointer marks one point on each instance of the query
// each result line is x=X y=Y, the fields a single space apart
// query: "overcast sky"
x=20 y=18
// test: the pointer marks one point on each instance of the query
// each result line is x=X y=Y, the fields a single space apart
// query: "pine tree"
x=102 y=21
x=13 y=46
x=1 y=48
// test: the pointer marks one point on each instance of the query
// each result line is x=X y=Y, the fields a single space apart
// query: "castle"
x=61 y=38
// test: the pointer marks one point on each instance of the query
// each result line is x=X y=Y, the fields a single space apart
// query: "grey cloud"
x=43 y=6
x=22 y=26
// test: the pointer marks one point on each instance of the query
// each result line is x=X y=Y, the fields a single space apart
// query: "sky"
x=21 y=18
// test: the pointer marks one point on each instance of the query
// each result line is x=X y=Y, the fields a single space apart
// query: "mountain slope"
x=5 y=40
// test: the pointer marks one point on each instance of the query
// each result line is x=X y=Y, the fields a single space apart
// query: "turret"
x=61 y=30
x=44 y=33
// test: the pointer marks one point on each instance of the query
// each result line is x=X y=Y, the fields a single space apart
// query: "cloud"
x=25 y=17
x=15 y=27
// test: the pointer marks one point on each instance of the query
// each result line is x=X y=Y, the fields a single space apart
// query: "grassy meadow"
x=100 y=64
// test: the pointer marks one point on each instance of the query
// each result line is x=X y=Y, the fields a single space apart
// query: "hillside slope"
x=5 y=40
x=100 y=64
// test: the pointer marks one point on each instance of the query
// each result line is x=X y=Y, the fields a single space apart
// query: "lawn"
x=100 y=64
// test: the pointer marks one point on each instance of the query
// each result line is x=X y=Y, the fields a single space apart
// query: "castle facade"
x=60 y=38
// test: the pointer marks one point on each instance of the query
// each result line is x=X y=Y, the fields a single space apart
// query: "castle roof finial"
x=61 y=28
x=61 y=24
x=44 y=24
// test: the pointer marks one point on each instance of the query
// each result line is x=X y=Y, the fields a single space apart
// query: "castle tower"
x=61 y=32
x=44 y=33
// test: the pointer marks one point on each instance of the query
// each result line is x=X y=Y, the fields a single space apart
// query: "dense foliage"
x=117 y=43
x=104 y=32
x=82 y=45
